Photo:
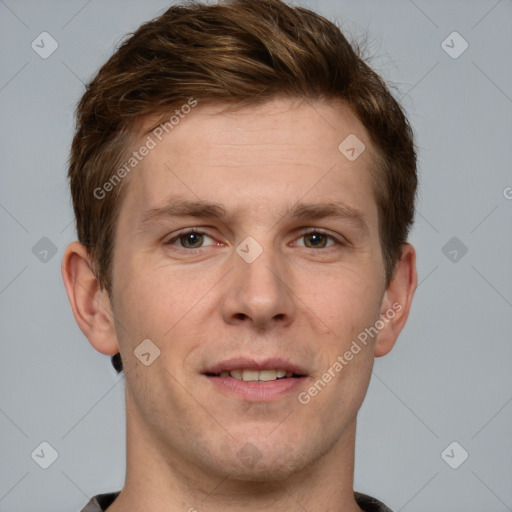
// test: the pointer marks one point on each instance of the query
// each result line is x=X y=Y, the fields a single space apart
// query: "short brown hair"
x=238 y=52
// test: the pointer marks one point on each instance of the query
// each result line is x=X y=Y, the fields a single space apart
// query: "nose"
x=259 y=293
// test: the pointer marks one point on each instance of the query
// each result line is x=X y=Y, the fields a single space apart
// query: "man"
x=243 y=185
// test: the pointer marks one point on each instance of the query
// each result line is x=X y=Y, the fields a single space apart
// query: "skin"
x=299 y=301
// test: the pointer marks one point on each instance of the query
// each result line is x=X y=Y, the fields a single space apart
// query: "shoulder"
x=100 y=502
x=369 y=504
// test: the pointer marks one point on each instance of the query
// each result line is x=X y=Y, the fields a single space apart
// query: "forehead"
x=287 y=124
x=256 y=157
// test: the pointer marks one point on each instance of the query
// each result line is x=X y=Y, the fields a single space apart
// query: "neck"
x=159 y=480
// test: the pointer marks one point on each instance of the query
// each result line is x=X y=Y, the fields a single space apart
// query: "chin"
x=260 y=461
x=264 y=471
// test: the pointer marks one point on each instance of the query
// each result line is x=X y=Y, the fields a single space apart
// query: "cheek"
x=354 y=306
x=138 y=302
x=162 y=303
x=347 y=302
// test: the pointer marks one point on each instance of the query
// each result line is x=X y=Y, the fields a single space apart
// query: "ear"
x=397 y=300
x=89 y=302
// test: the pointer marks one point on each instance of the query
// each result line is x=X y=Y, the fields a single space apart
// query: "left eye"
x=317 y=239
x=190 y=240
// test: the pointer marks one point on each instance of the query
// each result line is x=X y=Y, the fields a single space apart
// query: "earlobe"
x=397 y=300
x=89 y=302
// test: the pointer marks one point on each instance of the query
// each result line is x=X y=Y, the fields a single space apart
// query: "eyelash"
x=309 y=231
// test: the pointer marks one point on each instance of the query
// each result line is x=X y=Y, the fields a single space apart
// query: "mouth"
x=248 y=375
x=256 y=381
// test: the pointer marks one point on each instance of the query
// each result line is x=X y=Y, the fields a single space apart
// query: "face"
x=247 y=251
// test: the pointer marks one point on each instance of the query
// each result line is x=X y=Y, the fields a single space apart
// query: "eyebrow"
x=203 y=209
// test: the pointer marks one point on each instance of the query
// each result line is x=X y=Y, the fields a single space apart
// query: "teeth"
x=250 y=375
x=255 y=375
x=236 y=374
x=266 y=375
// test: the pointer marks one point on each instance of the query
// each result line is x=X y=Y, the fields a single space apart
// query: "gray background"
x=448 y=378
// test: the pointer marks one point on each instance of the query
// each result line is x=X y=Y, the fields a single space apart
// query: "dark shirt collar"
x=102 y=501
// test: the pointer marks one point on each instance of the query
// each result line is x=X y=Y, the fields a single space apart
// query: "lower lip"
x=257 y=391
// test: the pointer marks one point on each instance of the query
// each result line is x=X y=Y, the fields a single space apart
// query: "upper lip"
x=246 y=363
